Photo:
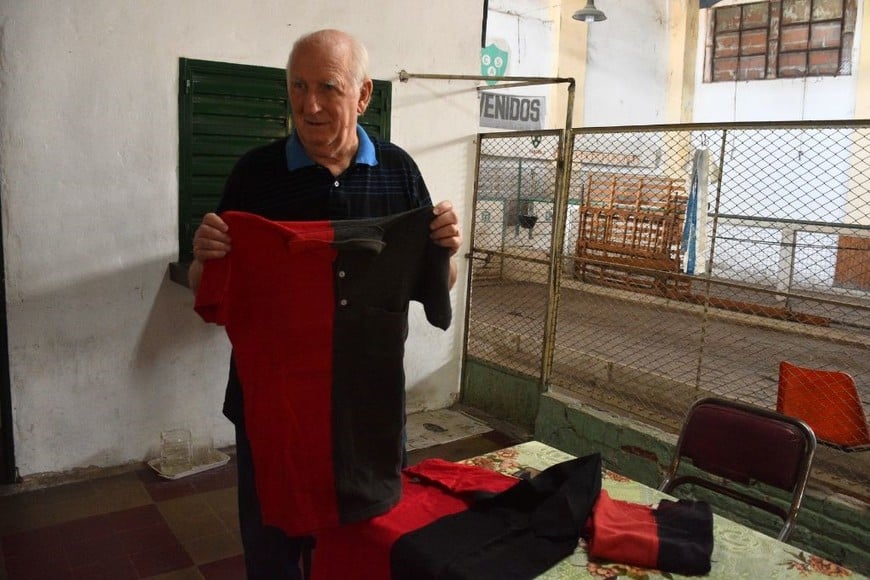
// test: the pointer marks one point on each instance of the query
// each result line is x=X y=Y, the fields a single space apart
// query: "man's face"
x=325 y=100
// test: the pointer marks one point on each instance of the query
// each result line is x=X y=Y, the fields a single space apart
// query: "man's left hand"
x=445 y=227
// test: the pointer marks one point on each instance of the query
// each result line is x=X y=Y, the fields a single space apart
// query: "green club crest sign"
x=493 y=62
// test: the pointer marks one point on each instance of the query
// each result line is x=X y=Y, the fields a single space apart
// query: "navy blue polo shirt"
x=280 y=182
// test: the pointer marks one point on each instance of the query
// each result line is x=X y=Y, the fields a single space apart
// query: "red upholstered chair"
x=828 y=401
x=730 y=443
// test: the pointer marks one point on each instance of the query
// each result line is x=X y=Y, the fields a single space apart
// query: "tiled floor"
x=137 y=525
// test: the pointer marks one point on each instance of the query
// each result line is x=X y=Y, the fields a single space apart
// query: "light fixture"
x=589 y=13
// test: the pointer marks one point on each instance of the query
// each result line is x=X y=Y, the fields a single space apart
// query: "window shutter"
x=376 y=120
x=225 y=110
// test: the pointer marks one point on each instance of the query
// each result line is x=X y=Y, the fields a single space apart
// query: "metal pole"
x=709 y=273
x=404 y=76
x=519 y=196
x=463 y=373
x=560 y=213
x=560 y=216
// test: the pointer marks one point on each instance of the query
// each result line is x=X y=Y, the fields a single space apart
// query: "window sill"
x=178 y=273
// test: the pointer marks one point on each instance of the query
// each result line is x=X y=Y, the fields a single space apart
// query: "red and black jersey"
x=279 y=182
x=317 y=315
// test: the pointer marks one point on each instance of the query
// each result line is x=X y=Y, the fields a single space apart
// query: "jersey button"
x=343 y=301
x=336 y=183
x=341 y=274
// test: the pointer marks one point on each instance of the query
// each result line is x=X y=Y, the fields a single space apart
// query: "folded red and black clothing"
x=517 y=534
x=465 y=522
x=458 y=522
x=676 y=536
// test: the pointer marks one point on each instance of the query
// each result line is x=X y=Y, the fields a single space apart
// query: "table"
x=738 y=552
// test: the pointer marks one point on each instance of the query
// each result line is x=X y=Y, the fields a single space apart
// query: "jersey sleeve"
x=433 y=290
x=211 y=301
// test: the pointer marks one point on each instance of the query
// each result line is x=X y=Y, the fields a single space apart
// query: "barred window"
x=780 y=39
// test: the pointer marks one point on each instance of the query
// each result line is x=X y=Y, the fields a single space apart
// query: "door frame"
x=8 y=470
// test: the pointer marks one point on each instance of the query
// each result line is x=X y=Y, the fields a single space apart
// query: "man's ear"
x=365 y=95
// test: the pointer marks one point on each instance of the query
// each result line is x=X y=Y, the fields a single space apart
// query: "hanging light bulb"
x=589 y=13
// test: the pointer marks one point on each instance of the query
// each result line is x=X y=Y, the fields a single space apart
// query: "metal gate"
x=695 y=260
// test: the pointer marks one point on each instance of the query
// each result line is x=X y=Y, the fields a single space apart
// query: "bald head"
x=329 y=89
x=341 y=42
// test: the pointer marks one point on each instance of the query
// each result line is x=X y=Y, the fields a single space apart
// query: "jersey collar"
x=297 y=158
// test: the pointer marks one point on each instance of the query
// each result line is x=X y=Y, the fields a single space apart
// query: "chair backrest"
x=827 y=400
x=729 y=441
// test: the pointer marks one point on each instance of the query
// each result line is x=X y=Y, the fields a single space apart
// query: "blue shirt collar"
x=297 y=158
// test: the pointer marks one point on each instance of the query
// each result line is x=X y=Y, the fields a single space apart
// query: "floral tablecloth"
x=738 y=552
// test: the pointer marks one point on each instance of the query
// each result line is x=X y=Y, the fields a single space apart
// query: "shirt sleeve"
x=433 y=290
x=211 y=301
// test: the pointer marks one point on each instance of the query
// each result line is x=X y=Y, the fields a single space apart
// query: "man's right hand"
x=210 y=241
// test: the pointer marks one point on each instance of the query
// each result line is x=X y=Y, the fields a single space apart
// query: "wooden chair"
x=828 y=401
x=730 y=443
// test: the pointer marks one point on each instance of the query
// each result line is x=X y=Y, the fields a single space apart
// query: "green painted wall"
x=501 y=393
x=829 y=525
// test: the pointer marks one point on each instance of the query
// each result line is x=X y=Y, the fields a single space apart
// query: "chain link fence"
x=696 y=260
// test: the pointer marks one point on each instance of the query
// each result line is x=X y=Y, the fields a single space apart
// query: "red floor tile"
x=161 y=560
x=133 y=543
x=218 y=478
x=144 y=539
x=89 y=528
x=49 y=568
x=121 y=569
x=163 y=489
x=33 y=543
x=136 y=518
x=93 y=550
x=227 y=569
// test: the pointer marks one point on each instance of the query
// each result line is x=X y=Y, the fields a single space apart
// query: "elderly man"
x=327 y=169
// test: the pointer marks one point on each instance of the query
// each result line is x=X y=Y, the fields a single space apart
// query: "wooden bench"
x=630 y=229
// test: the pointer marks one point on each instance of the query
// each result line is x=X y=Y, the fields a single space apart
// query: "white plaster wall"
x=105 y=351
x=627 y=64
x=526 y=30
x=805 y=99
x=625 y=78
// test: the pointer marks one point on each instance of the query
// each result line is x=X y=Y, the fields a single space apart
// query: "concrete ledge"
x=178 y=273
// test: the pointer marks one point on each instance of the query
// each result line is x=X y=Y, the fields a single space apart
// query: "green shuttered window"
x=224 y=110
